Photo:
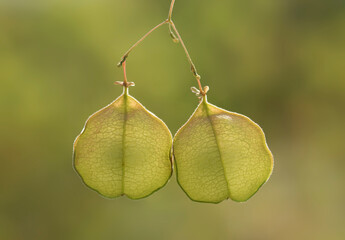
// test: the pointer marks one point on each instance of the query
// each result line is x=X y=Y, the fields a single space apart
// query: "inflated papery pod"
x=220 y=155
x=124 y=149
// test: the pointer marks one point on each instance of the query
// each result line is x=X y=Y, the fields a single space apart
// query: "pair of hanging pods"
x=124 y=149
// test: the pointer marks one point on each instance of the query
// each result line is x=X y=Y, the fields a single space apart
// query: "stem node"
x=124 y=58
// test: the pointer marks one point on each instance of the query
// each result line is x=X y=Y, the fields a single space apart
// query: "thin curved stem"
x=171 y=24
x=125 y=82
x=138 y=42
x=171 y=9
x=193 y=68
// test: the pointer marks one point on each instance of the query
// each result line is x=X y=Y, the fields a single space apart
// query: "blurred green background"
x=282 y=63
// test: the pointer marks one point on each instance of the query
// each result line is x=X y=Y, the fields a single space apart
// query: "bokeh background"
x=282 y=63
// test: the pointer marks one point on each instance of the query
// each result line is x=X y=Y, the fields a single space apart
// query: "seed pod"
x=221 y=154
x=124 y=150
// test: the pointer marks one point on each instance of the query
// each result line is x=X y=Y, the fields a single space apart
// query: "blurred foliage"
x=279 y=62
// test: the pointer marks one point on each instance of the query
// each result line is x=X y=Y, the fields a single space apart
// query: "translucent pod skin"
x=220 y=155
x=124 y=150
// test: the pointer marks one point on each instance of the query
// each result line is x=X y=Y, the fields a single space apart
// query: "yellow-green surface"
x=124 y=150
x=220 y=155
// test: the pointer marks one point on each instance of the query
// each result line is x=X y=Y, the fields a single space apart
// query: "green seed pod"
x=220 y=155
x=124 y=150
